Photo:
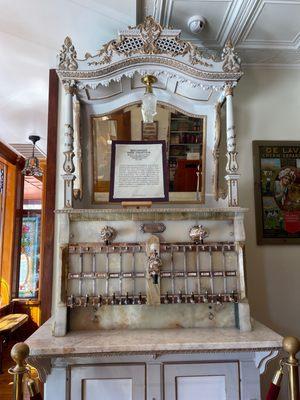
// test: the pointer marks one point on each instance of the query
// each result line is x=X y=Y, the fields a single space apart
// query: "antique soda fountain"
x=185 y=266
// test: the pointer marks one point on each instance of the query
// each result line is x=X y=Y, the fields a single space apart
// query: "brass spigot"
x=155 y=264
x=180 y=299
x=140 y=299
x=127 y=301
x=192 y=299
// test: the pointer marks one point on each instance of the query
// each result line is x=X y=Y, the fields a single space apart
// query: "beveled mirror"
x=185 y=143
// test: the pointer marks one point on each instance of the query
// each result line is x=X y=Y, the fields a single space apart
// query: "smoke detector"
x=196 y=23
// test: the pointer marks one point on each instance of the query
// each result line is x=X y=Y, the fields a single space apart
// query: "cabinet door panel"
x=120 y=389
x=109 y=382
x=208 y=381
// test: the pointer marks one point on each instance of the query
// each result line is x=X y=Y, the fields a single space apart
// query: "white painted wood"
x=154 y=386
x=208 y=381
x=201 y=387
x=120 y=389
x=150 y=370
x=122 y=382
x=250 y=381
x=55 y=387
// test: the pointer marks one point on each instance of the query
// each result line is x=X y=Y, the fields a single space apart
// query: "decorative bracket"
x=262 y=358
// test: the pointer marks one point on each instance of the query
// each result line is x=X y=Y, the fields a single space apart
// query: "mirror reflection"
x=184 y=136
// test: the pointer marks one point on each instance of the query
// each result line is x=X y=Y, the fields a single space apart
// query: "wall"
x=267 y=104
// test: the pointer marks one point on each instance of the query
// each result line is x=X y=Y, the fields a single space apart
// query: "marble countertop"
x=105 y=342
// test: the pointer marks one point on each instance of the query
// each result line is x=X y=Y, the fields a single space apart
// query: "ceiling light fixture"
x=149 y=101
x=32 y=164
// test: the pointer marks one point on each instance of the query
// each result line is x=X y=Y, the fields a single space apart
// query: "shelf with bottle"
x=186 y=144
x=186 y=131
x=185 y=137
x=185 y=123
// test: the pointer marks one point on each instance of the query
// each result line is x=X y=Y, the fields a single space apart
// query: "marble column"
x=68 y=165
x=232 y=176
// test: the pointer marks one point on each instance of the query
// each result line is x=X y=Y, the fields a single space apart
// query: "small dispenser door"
x=109 y=382
x=207 y=381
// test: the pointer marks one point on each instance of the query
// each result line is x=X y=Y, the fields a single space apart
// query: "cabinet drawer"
x=109 y=382
x=201 y=381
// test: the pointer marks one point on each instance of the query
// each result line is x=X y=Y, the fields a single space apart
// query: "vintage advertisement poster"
x=277 y=191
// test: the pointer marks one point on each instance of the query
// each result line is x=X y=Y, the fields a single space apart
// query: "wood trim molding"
x=19 y=198
x=48 y=206
x=13 y=216
x=10 y=156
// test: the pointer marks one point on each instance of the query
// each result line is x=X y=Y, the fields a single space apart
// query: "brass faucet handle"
x=99 y=301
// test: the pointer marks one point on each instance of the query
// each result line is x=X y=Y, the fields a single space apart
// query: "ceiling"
x=265 y=32
x=33 y=189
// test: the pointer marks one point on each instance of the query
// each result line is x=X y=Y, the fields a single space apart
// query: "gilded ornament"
x=67 y=56
x=231 y=61
x=149 y=37
x=198 y=233
x=108 y=234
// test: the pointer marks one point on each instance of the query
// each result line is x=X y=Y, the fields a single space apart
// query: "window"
x=28 y=285
x=30 y=256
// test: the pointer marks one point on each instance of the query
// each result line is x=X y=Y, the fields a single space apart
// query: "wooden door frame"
x=48 y=205
x=18 y=162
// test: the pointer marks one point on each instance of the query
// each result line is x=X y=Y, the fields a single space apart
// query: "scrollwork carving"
x=150 y=37
x=218 y=192
x=67 y=56
x=231 y=61
x=185 y=73
x=232 y=165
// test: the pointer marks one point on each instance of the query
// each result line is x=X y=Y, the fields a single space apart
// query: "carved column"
x=232 y=176
x=77 y=190
x=68 y=165
x=217 y=191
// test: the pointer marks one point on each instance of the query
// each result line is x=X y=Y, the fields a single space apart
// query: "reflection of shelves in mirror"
x=186 y=131
x=185 y=144
x=183 y=118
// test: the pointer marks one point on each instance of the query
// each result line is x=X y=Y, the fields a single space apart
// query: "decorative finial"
x=67 y=56
x=291 y=345
x=231 y=61
x=150 y=31
x=19 y=353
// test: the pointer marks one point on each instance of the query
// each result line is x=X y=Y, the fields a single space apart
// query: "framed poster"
x=138 y=171
x=277 y=191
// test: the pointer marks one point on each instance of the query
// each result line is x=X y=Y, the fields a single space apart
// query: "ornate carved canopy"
x=150 y=48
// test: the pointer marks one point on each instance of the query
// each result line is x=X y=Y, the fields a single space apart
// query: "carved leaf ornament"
x=148 y=37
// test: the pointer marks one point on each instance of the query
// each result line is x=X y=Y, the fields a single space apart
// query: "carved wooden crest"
x=146 y=38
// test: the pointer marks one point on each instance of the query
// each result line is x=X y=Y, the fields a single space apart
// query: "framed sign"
x=138 y=171
x=277 y=191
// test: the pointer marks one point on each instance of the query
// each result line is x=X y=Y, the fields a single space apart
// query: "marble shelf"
x=152 y=214
x=162 y=341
